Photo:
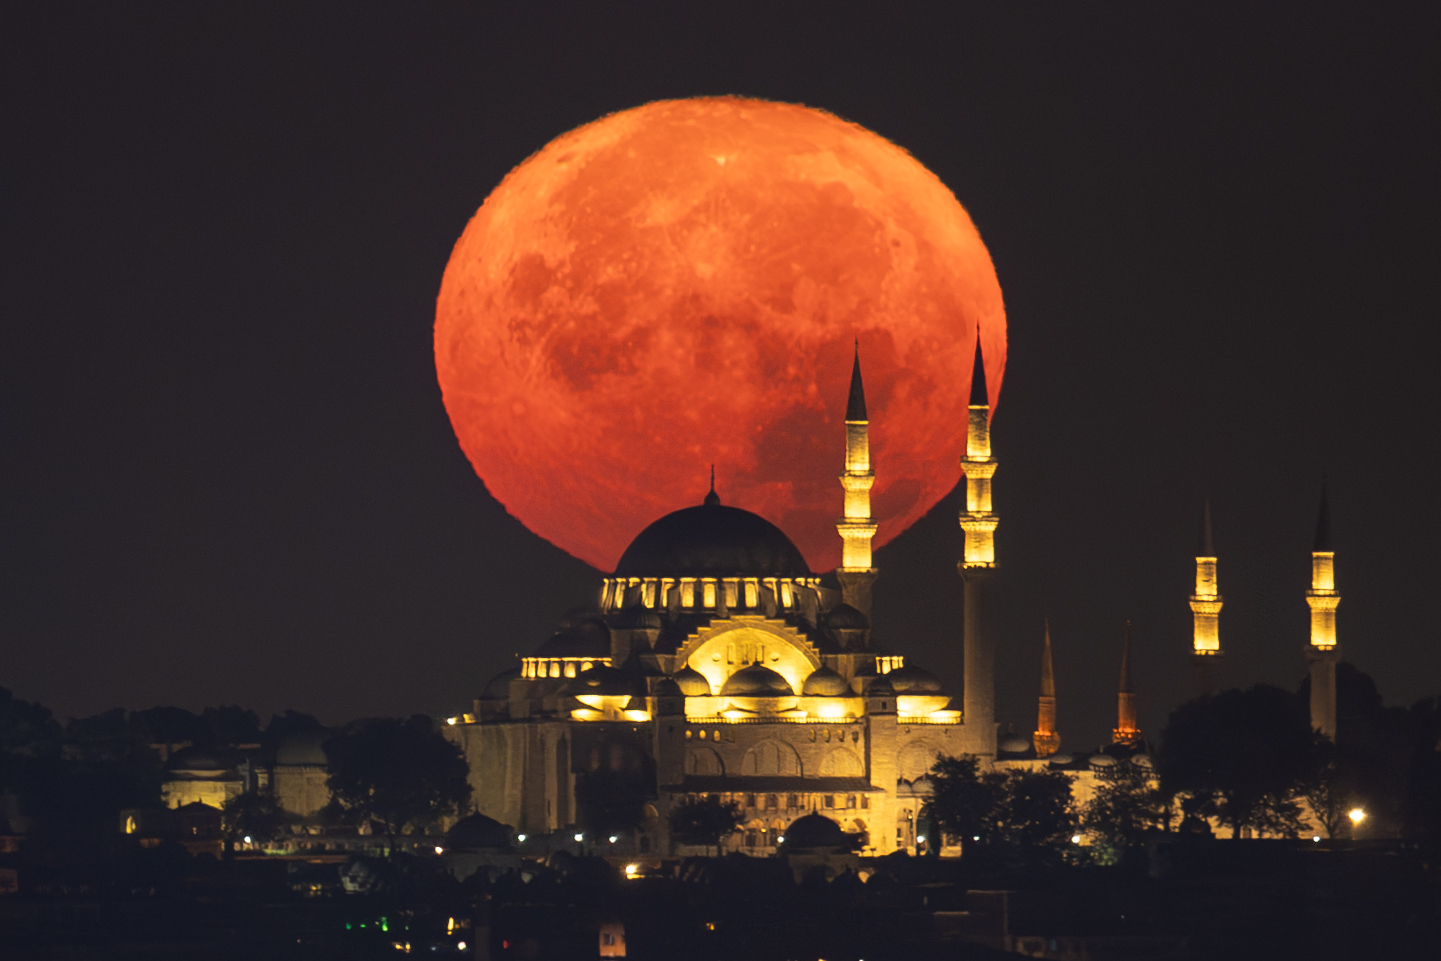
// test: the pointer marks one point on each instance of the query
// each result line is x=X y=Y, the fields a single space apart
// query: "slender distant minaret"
x=979 y=523
x=1127 y=730
x=1047 y=739
x=1323 y=599
x=1206 y=606
x=856 y=528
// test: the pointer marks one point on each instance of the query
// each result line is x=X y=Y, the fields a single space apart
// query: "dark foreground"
x=1196 y=900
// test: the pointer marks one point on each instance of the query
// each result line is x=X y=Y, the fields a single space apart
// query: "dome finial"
x=712 y=499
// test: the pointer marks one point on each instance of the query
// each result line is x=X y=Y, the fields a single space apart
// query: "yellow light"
x=1356 y=815
x=1075 y=839
x=439 y=849
x=450 y=926
x=450 y=720
x=631 y=870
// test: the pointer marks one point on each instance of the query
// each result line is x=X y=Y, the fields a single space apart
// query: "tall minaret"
x=857 y=528
x=1323 y=652
x=1127 y=730
x=979 y=523
x=1206 y=606
x=1047 y=739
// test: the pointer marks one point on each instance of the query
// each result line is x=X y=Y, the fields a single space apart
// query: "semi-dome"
x=914 y=680
x=756 y=681
x=586 y=638
x=602 y=681
x=843 y=617
x=498 y=687
x=477 y=832
x=824 y=682
x=194 y=760
x=692 y=682
x=712 y=540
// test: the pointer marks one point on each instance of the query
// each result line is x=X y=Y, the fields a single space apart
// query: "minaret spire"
x=1127 y=731
x=1046 y=739
x=979 y=522
x=1323 y=600
x=1206 y=601
x=856 y=573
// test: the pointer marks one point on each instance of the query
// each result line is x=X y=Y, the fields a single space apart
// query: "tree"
x=231 y=724
x=1022 y=815
x=704 y=820
x=610 y=802
x=27 y=728
x=254 y=815
x=1243 y=756
x=964 y=801
x=400 y=772
x=1127 y=807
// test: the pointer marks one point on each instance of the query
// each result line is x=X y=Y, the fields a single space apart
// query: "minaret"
x=1323 y=652
x=1046 y=739
x=979 y=523
x=856 y=528
x=1206 y=606
x=1127 y=731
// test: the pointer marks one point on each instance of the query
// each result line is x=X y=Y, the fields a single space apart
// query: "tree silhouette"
x=1128 y=805
x=704 y=820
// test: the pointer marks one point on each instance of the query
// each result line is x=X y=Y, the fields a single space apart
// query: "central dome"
x=712 y=541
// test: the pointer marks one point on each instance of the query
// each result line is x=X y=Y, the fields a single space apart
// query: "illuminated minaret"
x=1047 y=739
x=1206 y=602
x=857 y=528
x=979 y=523
x=1127 y=731
x=1323 y=652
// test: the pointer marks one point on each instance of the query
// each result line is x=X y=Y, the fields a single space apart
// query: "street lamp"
x=1357 y=816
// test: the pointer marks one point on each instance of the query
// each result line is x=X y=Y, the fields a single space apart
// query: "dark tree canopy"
x=1024 y=815
x=610 y=802
x=232 y=724
x=1241 y=755
x=400 y=772
x=257 y=815
x=1127 y=807
x=704 y=820
x=26 y=728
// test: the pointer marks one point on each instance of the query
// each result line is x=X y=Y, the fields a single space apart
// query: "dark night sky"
x=228 y=476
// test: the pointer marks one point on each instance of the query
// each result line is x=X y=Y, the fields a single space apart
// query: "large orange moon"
x=680 y=285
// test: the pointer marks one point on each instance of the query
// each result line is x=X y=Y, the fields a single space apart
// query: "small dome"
x=712 y=541
x=825 y=682
x=914 y=680
x=1143 y=760
x=498 y=687
x=194 y=760
x=636 y=618
x=586 y=638
x=756 y=681
x=303 y=747
x=815 y=831
x=923 y=785
x=1014 y=744
x=1061 y=759
x=1102 y=760
x=478 y=831
x=880 y=687
x=692 y=682
x=601 y=681
x=667 y=687
x=843 y=617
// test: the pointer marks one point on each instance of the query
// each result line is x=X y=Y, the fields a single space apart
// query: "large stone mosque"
x=717 y=663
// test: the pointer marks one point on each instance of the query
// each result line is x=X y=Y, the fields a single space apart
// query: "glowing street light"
x=580 y=837
x=439 y=849
x=613 y=839
x=520 y=837
x=1356 y=815
x=1075 y=839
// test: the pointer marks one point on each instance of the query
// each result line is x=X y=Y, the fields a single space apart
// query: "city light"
x=460 y=946
x=1356 y=815
x=247 y=839
x=632 y=870
x=1316 y=838
x=439 y=849
x=612 y=839
x=1075 y=839
x=579 y=837
x=520 y=837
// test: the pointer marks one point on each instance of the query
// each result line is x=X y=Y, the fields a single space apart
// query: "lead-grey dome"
x=692 y=682
x=824 y=682
x=756 y=681
x=914 y=680
x=712 y=541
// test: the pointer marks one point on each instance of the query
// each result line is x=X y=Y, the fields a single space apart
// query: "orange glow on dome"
x=680 y=284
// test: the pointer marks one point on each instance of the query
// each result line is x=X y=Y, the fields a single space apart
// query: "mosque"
x=718 y=663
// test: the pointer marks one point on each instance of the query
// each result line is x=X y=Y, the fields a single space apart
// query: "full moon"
x=680 y=285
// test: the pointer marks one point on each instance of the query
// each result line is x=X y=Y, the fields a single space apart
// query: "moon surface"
x=680 y=285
